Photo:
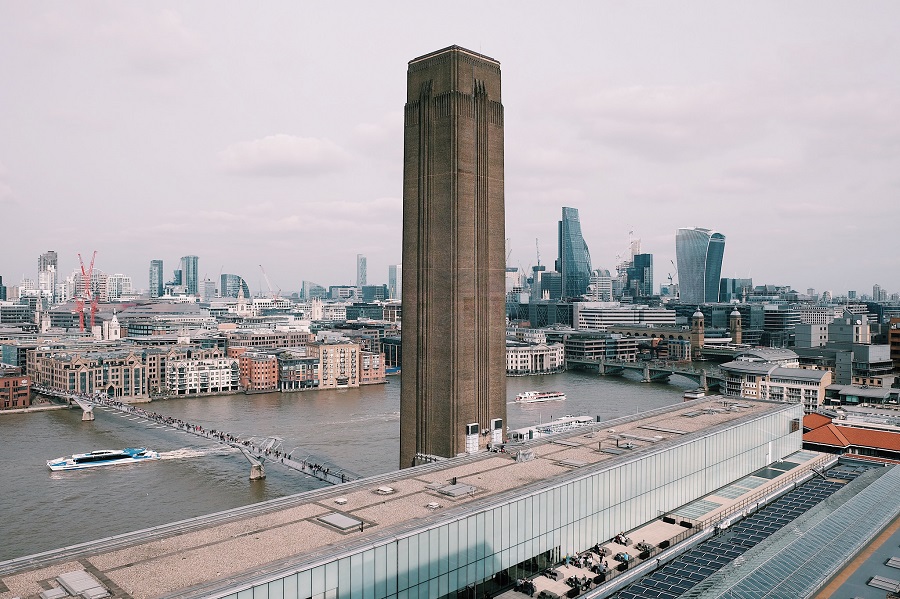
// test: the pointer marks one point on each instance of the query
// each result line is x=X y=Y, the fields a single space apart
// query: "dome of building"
x=735 y=312
x=697 y=314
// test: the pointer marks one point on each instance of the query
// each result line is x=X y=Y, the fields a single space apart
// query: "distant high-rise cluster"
x=640 y=275
x=699 y=253
x=574 y=262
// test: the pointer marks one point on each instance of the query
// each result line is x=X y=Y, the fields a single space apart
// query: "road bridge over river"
x=258 y=450
x=706 y=376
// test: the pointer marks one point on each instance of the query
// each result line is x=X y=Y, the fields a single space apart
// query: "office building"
x=395 y=281
x=699 y=253
x=48 y=267
x=118 y=286
x=312 y=290
x=189 y=277
x=734 y=290
x=156 y=278
x=453 y=393
x=230 y=286
x=640 y=276
x=599 y=315
x=601 y=287
x=360 y=270
x=574 y=262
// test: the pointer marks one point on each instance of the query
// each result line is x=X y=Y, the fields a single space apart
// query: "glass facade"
x=574 y=263
x=156 y=278
x=484 y=545
x=640 y=275
x=699 y=253
x=231 y=285
x=189 y=276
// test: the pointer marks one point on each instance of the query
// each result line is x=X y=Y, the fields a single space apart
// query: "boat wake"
x=195 y=452
x=361 y=418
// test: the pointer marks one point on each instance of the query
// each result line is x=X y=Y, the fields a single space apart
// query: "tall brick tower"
x=453 y=379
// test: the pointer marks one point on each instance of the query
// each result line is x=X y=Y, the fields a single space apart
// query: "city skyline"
x=218 y=135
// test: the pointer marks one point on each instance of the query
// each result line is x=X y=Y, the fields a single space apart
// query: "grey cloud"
x=283 y=156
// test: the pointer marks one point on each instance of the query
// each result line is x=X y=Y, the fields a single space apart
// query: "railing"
x=698 y=526
x=757 y=495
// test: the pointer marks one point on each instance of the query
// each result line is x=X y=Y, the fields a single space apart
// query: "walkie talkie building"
x=699 y=253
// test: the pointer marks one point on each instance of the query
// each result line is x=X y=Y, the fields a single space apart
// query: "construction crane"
x=676 y=270
x=86 y=294
x=269 y=284
x=538 y=250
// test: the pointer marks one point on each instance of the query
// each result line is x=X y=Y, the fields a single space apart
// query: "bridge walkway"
x=257 y=450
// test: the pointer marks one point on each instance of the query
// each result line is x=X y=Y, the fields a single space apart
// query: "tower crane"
x=269 y=284
x=86 y=294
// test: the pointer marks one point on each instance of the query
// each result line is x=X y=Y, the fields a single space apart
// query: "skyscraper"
x=360 y=270
x=395 y=280
x=699 y=253
x=156 y=278
x=453 y=391
x=230 y=285
x=640 y=275
x=48 y=267
x=48 y=259
x=189 y=276
x=574 y=262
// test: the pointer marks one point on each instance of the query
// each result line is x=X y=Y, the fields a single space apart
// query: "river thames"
x=357 y=429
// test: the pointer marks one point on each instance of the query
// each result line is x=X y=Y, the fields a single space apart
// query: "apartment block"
x=15 y=388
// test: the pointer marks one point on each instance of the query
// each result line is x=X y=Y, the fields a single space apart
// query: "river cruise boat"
x=103 y=457
x=538 y=396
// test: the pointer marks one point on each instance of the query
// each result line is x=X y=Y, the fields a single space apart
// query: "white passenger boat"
x=103 y=457
x=538 y=396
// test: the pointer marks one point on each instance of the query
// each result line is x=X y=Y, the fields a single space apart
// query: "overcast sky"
x=271 y=133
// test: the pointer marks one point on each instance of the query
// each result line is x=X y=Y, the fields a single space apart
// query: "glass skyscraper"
x=156 y=278
x=395 y=280
x=231 y=285
x=574 y=263
x=699 y=253
x=189 y=276
x=640 y=275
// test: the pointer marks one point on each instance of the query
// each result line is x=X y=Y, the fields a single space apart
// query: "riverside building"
x=465 y=525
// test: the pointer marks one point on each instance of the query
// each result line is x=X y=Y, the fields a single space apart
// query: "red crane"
x=86 y=294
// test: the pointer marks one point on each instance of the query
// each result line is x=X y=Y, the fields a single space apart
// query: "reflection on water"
x=358 y=429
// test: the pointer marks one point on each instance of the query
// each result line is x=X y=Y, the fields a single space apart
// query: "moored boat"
x=102 y=457
x=538 y=396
